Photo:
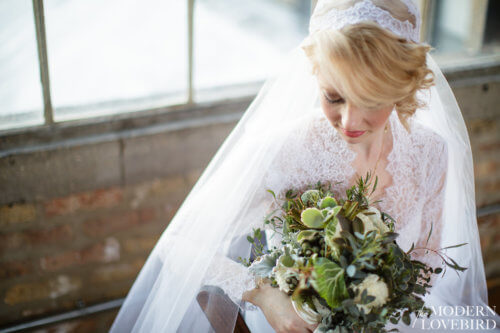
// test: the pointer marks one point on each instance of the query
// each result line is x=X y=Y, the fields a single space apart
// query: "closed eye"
x=333 y=101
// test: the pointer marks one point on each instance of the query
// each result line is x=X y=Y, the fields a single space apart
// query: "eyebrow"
x=332 y=93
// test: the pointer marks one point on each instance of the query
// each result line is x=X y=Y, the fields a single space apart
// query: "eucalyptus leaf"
x=343 y=261
x=360 y=275
x=351 y=270
x=430 y=233
x=406 y=318
x=454 y=246
x=455 y=265
x=368 y=265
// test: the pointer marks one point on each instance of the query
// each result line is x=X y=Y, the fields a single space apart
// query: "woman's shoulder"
x=431 y=148
x=427 y=140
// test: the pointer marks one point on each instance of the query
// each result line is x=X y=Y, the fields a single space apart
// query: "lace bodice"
x=417 y=165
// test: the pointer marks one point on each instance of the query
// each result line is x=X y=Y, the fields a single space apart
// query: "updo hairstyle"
x=370 y=65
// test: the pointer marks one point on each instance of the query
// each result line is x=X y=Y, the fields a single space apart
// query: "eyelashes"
x=336 y=101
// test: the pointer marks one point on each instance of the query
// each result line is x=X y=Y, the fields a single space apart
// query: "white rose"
x=374 y=286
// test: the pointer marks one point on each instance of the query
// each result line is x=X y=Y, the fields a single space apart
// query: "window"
x=238 y=43
x=63 y=60
x=463 y=28
x=102 y=58
x=492 y=30
x=448 y=36
x=115 y=56
x=21 y=102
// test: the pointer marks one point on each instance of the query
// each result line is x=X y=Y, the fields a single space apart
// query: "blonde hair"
x=370 y=65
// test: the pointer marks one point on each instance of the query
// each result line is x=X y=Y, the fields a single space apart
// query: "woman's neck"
x=372 y=149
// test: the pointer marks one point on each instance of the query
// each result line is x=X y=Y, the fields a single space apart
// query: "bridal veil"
x=228 y=198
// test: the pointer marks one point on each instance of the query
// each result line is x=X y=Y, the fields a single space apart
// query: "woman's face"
x=355 y=124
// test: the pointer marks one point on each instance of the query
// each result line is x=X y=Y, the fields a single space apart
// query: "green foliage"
x=328 y=281
x=312 y=218
x=329 y=252
x=265 y=264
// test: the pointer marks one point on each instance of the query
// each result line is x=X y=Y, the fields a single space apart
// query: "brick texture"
x=104 y=252
x=37 y=290
x=17 y=214
x=85 y=248
x=109 y=224
x=83 y=201
x=36 y=237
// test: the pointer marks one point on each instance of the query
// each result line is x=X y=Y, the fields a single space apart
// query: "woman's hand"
x=278 y=309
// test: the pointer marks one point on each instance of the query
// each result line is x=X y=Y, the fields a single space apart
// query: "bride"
x=360 y=93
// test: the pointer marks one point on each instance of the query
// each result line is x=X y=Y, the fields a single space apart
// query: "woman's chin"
x=352 y=141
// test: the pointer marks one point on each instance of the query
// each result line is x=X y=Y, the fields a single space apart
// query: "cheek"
x=377 y=121
x=378 y=118
x=331 y=111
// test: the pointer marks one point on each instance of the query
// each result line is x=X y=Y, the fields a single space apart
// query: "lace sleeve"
x=233 y=277
x=432 y=209
x=225 y=270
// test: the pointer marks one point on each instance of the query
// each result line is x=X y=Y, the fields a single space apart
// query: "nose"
x=351 y=117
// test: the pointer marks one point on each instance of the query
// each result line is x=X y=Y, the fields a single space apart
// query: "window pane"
x=492 y=30
x=238 y=42
x=20 y=90
x=116 y=55
x=448 y=36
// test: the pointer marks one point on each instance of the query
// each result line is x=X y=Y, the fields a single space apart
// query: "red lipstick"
x=353 y=134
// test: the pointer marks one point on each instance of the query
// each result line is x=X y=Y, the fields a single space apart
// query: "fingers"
x=312 y=327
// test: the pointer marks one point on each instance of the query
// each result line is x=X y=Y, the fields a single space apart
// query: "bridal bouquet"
x=340 y=262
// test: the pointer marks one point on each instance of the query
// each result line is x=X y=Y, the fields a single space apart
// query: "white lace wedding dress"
x=417 y=165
